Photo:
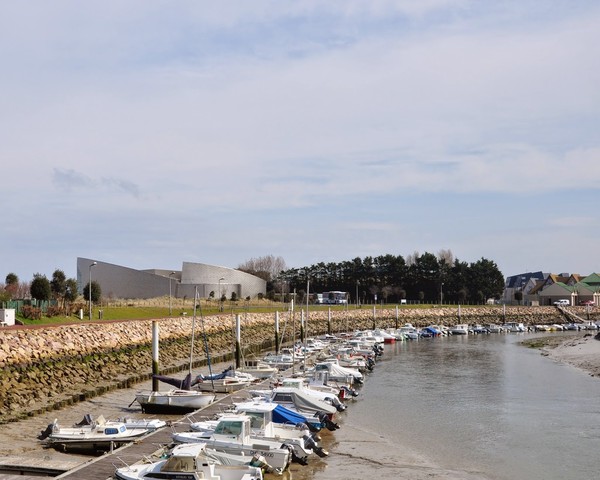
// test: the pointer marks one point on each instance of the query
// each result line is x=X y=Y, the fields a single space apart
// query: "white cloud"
x=248 y=109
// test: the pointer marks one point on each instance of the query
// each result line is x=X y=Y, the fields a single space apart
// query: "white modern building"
x=123 y=282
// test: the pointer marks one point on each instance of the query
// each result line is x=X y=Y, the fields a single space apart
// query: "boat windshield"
x=178 y=464
x=257 y=420
x=229 y=428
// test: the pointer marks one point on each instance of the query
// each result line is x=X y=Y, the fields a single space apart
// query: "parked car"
x=562 y=302
x=587 y=302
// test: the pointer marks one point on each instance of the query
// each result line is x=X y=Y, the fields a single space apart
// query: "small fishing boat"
x=233 y=435
x=281 y=361
x=173 y=401
x=258 y=369
x=298 y=436
x=228 y=381
x=460 y=329
x=193 y=462
x=98 y=436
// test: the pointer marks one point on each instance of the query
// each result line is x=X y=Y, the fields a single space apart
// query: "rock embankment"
x=46 y=368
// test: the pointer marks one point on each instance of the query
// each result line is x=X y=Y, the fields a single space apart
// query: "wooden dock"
x=103 y=467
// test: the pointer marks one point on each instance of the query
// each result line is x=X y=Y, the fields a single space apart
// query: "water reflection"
x=480 y=405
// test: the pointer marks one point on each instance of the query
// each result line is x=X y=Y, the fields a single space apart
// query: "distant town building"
x=123 y=282
x=547 y=288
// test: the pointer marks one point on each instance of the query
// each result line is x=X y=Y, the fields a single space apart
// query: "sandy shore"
x=581 y=351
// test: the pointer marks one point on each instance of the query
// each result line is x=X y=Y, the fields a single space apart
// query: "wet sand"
x=580 y=350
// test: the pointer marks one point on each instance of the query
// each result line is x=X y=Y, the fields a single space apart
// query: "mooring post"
x=374 y=317
x=155 y=370
x=238 y=342
x=277 y=333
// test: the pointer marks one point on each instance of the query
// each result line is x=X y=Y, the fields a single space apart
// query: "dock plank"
x=103 y=467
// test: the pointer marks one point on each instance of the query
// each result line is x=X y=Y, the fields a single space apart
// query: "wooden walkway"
x=104 y=467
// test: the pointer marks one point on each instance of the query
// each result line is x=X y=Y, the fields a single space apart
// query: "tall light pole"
x=93 y=264
x=357 y=283
x=170 y=309
x=220 y=295
x=441 y=293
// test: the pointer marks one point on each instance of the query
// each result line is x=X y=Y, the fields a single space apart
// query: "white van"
x=562 y=303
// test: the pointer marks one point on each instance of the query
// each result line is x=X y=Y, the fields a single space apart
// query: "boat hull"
x=174 y=401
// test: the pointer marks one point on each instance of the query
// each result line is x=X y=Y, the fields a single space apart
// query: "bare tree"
x=412 y=258
x=267 y=267
x=446 y=257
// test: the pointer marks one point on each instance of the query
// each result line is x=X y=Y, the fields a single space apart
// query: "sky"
x=148 y=133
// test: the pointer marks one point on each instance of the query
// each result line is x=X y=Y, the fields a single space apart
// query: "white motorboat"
x=514 y=327
x=493 y=328
x=258 y=369
x=192 y=462
x=262 y=427
x=361 y=347
x=297 y=401
x=173 y=400
x=233 y=435
x=369 y=336
x=150 y=424
x=387 y=336
x=336 y=372
x=321 y=391
x=409 y=332
x=97 y=436
x=281 y=361
x=228 y=381
x=460 y=329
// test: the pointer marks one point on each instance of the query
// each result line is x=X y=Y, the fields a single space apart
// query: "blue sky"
x=148 y=133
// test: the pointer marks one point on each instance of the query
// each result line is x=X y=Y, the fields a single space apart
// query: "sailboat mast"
x=193 y=328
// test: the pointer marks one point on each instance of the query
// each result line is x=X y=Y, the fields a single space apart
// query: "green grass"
x=140 y=312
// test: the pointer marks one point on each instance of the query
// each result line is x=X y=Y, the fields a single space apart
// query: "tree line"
x=59 y=290
x=391 y=278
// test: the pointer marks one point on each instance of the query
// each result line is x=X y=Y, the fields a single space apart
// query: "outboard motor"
x=260 y=462
x=327 y=423
x=295 y=458
x=44 y=434
x=335 y=402
x=349 y=391
x=312 y=427
x=370 y=364
x=310 y=443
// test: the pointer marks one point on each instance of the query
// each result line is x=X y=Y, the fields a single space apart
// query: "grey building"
x=123 y=282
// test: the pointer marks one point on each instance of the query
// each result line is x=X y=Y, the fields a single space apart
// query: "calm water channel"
x=478 y=406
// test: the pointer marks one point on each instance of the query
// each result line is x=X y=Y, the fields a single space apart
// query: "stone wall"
x=45 y=368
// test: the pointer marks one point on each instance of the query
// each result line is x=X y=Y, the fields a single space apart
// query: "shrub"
x=54 y=311
x=33 y=313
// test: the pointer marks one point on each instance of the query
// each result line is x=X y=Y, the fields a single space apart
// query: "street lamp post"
x=93 y=264
x=170 y=309
x=441 y=293
x=220 y=295
x=357 y=283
